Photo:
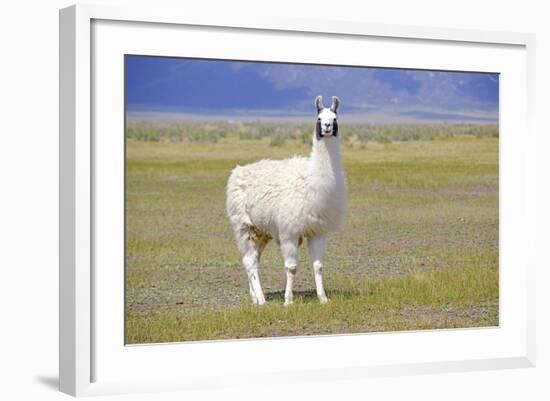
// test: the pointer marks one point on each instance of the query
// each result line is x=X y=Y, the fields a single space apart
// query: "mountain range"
x=199 y=87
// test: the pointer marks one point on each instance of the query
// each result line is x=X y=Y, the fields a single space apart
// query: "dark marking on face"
x=318 y=130
x=335 y=128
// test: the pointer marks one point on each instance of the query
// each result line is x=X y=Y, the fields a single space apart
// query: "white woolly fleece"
x=289 y=199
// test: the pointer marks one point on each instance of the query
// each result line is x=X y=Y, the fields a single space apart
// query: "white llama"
x=289 y=200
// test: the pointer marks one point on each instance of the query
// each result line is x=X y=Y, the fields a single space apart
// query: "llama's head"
x=327 y=122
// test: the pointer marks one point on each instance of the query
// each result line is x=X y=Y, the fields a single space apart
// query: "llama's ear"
x=319 y=103
x=335 y=104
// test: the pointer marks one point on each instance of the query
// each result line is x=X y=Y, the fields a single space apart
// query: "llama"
x=289 y=200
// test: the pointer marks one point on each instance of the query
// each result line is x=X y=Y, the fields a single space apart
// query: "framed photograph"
x=263 y=198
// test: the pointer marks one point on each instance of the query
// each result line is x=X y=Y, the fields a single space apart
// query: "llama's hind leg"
x=252 y=293
x=289 y=249
x=316 y=252
x=251 y=262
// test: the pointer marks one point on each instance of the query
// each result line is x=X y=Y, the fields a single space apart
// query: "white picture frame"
x=83 y=344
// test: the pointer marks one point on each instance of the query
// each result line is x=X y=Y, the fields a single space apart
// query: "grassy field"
x=419 y=250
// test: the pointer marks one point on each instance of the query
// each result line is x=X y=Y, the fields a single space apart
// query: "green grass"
x=456 y=297
x=419 y=250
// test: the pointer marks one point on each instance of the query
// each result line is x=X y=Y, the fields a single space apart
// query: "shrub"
x=305 y=138
x=143 y=132
x=383 y=139
x=277 y=141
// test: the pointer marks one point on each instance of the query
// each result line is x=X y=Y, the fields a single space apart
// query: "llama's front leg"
x=252 y=293
x=289 y=249
x=251 y=262
x=316 y=252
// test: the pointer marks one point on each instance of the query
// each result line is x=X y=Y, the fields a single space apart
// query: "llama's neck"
x=327 y=183
x=326 y=161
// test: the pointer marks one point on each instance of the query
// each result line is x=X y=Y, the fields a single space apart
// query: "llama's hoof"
x=323 y=300
x=288 y=302
x=256 y=302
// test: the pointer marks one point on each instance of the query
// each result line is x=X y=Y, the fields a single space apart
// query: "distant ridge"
x=243 y=116
x=177 y=87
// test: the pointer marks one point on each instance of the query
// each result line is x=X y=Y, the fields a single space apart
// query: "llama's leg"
x=289 y=249
x=251 y=261
x=316 y=252
x=252 y=294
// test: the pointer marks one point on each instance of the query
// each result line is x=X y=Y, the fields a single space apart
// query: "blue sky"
x=157 y=86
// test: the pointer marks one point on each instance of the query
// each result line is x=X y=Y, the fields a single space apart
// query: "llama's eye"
x=318 y=119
